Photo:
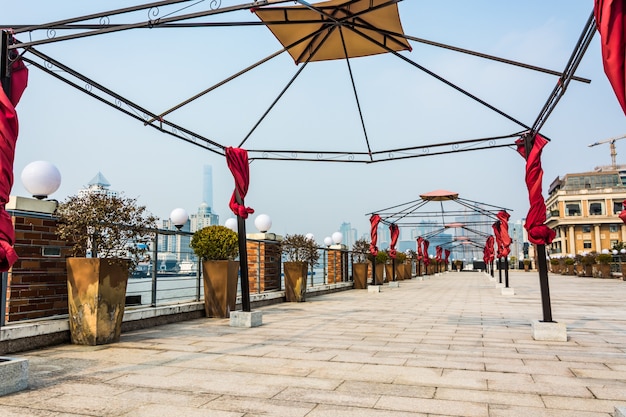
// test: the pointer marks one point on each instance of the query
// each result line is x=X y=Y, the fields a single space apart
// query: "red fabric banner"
x=505 y=239
x=538 y=232
x=9 y=128
x=374 y=220
x=426 y=244
x=622 y=215
x=490 y=242
x=610 y=18
x=438 y=253
x=447 y=256
x=237 y=160
x=496 y=232
x=420 y=253
x=395 y=233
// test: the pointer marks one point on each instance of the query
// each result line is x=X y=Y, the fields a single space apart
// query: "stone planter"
x=220 y=287
x=96 y=299
x=359 y=274
x=602 y=271
x=295 y=281
x=13 y=375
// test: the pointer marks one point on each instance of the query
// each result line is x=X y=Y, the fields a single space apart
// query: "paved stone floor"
x=451 y=345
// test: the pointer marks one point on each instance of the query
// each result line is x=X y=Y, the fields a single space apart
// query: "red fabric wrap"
x=9 y=128
x=447 y=256
x=237 y=160
x=374 y=220
x=538 y=232
x=420 y=253
x=622 y=215
x=490 y=242
x=426 y=244
x=496 y=232
x=395 y=233
x=438 y=253
x=505 y=239
x=610 y=20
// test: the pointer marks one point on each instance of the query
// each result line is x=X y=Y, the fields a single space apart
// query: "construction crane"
x=611 y=142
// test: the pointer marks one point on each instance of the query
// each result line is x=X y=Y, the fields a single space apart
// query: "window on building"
x=586 y=228
x=586 y=244
x=613 y=228
x=572 y=209
x=596 y=208
x=617 y=206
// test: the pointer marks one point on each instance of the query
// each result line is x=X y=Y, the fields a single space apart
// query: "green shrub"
x=215 y=243
x=604 y=258
x=569 y=261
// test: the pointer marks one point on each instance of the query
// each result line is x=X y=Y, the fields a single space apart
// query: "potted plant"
x=380 y=260
x=554 y=265
x=458 y=264
x=569 y=266
x=301 y=253
x=400 y=266
x=526 y=265
x=587 y=261
x=107 y=233
x=602 y=269
x=360 y=250
x=217 y=247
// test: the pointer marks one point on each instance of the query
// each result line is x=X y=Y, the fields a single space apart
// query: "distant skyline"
x=402 y=106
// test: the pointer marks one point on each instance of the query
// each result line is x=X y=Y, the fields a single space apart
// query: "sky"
x=401 y=106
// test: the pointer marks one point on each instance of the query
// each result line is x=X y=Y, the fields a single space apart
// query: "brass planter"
x=389 y=272
x=359 y=273
x=96 y=299
x=400 y=272
x=295 y=281
x=220 y=287
x=380 y=272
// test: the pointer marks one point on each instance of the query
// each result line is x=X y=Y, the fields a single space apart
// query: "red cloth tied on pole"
x=237 y=160
x=496 y=232
x=622 y=215
x=374 y=220
x=610 y=18
x=538 y=232
x=505 y=238
x=438 y=253
x=489 y=247
x=426 y=244
x=447 y=256
x=395 y=233
x=9 y=128
x=420 y=253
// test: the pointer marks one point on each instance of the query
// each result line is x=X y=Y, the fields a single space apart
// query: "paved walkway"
x=451 y=345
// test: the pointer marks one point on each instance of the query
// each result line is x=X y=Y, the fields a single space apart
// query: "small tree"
x=299 y=248
x=360 y=250
x=215 y=243
x=107 y=226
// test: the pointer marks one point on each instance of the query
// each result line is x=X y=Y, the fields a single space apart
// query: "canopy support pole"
x=243 y=258
x=506 y=272
x=542 y=266
x=5 y=64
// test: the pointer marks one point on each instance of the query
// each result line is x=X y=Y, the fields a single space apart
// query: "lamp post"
x=41 y=178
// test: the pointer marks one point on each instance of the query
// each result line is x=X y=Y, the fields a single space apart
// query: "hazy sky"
x=402 y=106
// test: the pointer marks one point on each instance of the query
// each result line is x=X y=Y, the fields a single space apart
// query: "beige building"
x=583 y=210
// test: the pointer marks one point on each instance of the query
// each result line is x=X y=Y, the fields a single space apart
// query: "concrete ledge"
x=394 y=284
x=499 y=284
x=13 y=375
x=246 y=318
x=620 y=412
x=549 y=331
x=373 y=288
x=508 y=291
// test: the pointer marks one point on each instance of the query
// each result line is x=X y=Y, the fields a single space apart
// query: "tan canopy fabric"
x=439 y=195
x=319 y=32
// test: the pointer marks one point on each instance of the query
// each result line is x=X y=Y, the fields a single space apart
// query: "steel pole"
x=243 y=258
x=500 y=270
x=542 y=266
x=506 y=272
x=155 y=264
x=3 y=297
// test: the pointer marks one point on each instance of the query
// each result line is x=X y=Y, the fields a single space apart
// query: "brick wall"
x=264 y=266
x=37 y=282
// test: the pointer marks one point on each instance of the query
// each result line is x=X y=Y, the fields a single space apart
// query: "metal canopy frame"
x=180 y=18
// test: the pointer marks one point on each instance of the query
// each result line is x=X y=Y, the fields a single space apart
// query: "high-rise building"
x=349 y=234
x=207 y=185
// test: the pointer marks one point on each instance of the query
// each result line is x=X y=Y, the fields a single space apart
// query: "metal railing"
x=172 y=277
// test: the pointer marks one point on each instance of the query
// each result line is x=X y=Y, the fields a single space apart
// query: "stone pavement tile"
x=520 y=411
x=615 y=392
x=160 y=410
x=489 y=397
x=486 y=375
x=580 y=404
x=339 y=411
x=165 y=397
x=264 y=365
x=433 y=406
x=399 y=390
x=91 y=405
x=31 y=412
x=601 y=374
x=367 y=358
x=548 y=387
x=328 y=397
x=441 y=362
x=257 y=406
x=372 y=374
x=533 y=367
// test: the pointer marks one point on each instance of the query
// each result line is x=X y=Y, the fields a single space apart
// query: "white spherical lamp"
x=337 y=238
x=263 y=223
x=231 y=223
x=179 y=217
x=328 y=241
x=605 y=251
x=310 y=236
x=41 y=178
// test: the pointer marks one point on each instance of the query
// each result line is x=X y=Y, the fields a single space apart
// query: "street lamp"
x=231 y=223
x=337 y=237
x=263 y=223
x=179 y=217
x=310 y=236
x=41 y=178
x=328 y=241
